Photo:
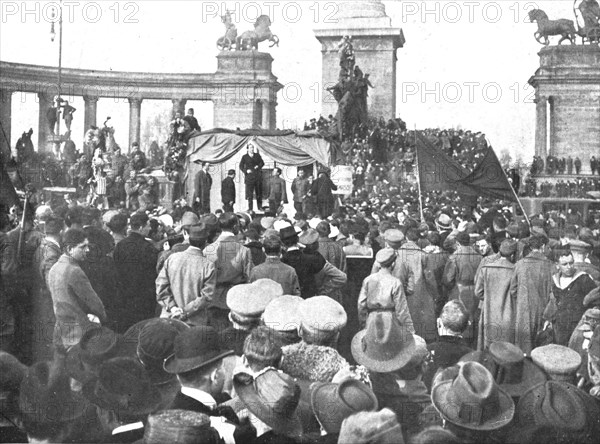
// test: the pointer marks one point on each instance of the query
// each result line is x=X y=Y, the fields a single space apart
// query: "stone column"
x=266 y=115
x=179 y=105
x=43 y=129
x=135 y=122
x=5 y=119
x=90 y=112
x=541 y=115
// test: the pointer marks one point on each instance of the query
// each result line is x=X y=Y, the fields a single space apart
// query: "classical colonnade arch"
x=243 y=91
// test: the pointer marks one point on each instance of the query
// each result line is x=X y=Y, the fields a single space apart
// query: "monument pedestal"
x=247 y=92
x=375 y=42
x=567 y=94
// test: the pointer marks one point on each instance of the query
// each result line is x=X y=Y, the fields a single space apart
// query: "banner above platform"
x=285 y=147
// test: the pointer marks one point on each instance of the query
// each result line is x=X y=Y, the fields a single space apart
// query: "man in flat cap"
x=382 y=291
x=570 y=286
x=531 y=292
x=459 y=277
x=233 y=264
x=492 y=287
x=186 y=284
x=315 y=358
x=329 y=280
x=581 y=251
x=276 y=270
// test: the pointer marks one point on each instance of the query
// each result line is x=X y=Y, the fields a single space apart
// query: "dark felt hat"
x=472 y=399
x=287 y=233
x=123 y=385
x=561 y=406
x=156 y=342
x=195 y=348
x=509 y=367
x=332 y=403
x=199 y=232
x=273 y=397
x=592 y=299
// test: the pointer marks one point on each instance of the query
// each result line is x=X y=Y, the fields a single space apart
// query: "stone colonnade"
x=243 y=90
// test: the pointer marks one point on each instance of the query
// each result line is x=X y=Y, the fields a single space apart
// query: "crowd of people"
x=368 y=320
x=124 y=324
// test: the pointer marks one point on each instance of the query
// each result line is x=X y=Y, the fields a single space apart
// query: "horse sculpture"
x=251 y=39
x=547 y=27
x=226 y=42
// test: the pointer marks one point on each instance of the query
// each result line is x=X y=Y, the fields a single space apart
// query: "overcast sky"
x=465 y=63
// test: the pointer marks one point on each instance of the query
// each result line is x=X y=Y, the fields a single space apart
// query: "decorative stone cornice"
x=121 y=84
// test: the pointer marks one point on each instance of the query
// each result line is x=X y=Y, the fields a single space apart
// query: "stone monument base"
x=567 y=87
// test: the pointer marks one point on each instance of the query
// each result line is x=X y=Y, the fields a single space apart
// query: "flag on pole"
x=437 y=171
x=489 y=179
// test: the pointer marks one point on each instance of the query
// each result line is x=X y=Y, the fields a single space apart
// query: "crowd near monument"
x=355 y=281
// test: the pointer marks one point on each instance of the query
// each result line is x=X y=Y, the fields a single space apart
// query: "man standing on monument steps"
x=251 y=165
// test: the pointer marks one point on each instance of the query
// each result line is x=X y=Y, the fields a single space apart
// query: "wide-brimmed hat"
x=272 y=396
x=560 y=406
x=509 y=367
x=384 y=345
x=559 y=362
x=332 y=403
x=472 y=399
x=308 y=237
x=180 y=426
x=287 y=233
x=123 y=385
x=195 y=348
x=592 y=299
x=45 y=395
x=97 y=345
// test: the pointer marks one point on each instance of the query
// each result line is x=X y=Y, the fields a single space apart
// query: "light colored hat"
x=314 y=222
x=267 y=222
x=560 y=363
x=279 y=224
x=322 y=314
x=281 y=314
x=335 y=231
x=249 y=301
x=308 y=237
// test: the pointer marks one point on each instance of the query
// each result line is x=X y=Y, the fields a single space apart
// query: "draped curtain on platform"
x=283 y=147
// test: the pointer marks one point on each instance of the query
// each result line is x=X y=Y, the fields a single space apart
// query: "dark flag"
x=437 y=171
x=488 y=179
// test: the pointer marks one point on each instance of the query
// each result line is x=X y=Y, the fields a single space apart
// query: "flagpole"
x=418 y=176
x=511 y=188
